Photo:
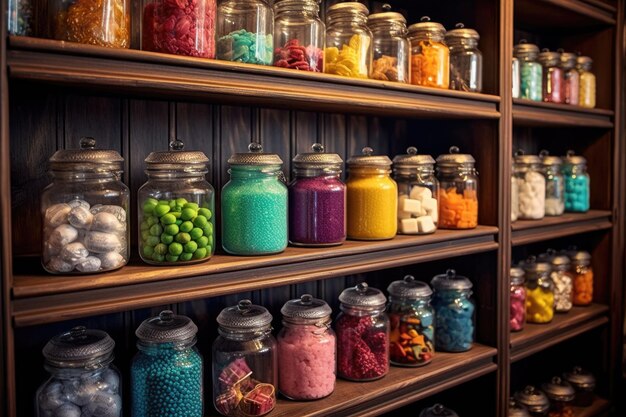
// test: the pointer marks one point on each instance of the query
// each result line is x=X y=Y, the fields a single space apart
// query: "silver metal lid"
x=317 y=159
x=454 y=157
x=516 y=409
x=517 y=275
x=558 y=389
x=245 y=316
x=438 y=410
x=549 y=160
x=523 y=48
x=580 y=256
x=78 y=348
x=534 y=399
x=568 y=59
x=363 y=295
x=412 y=159
x=521 y=158
x=255 y=156
x=450 y=281
x=176 y=156
x=584 y=62
x=167 y=327
x=409 y=288
x=461 y=32
x=386 y=15
x=572 y=159
x=367 y=159
x=549 y=58
x=580 y=378
x=86 y=158
x=533 y=265
x=425 y=25
x=347 y=7
x=560 y=260
x=306 y=307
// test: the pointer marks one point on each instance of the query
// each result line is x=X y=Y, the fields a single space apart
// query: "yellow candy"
x=371 y=207
x=539 y=305
x=350 y=61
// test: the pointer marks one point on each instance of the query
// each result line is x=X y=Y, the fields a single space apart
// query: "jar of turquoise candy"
x=166 y=373
x=576 y=183
x=531 y=72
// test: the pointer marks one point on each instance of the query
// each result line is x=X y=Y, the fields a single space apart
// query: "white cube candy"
x=430 y=205
x=409 y=226
x=420 y=193
x=412 y=206
x=426 y=224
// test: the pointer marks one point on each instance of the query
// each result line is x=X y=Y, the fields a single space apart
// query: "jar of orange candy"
x=430 y=56
x=583 y=278
x=458 y=191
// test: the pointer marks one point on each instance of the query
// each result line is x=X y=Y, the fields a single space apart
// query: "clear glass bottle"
x=458 y=192
x=517 y=315
x=584 y=383
x=587 y=95
x=516 y=409
x=583 y=278
x=563 y=284
x=20 y=17
x=254 y=204
x=531 y=73
x=430 y=56
x=83 y=379
x=418 y=192
x=466 y=60
x=515 y=79
x=571 y=90
x=362 y=329
x=553 y=77
x=299 y=35
x=245 y=362
x=555 y=184
x=391 y=47
x=85 y=212
x=535 y=401
x=561 y=394
x=531 y=186
x=307 y=350
x=412 y=323
x=438 y=410
x=176 y=208
x=576 y=183
x=539 y=291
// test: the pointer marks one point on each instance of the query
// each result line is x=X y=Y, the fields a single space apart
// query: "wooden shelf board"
x=573 y=14
x=597 y=408
x=534 y=113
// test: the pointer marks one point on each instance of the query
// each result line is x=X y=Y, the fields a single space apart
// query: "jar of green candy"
x=176 y=207
x=531 y=72
x=577 y=187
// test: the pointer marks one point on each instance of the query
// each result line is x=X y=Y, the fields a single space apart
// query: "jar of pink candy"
x=518 y=300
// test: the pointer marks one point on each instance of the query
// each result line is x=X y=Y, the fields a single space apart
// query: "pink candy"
x=293 y=55
x=363 y=349
x=518 y=308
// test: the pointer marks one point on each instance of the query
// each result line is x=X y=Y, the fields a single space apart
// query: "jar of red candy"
x=518 y=300
x=307 y=350
x=571 y=76
x=391 y=47
x=553 y=79
x=561 y=394
x=362 y=334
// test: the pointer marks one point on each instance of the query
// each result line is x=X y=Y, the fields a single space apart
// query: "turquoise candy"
x=530 y=81
x=244 y=46
x=454 y=324
x=577 y=193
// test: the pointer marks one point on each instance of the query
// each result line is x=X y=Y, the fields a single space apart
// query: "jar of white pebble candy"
x=563 y=284
x=555 y=185
x=531 y=186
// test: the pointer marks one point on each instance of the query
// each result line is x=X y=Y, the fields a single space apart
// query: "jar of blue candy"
x=83 y=380
x=576 y=183
x=166 y=373
x=531 y=72
x=454 y=312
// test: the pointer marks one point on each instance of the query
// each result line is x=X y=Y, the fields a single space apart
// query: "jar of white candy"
x=531 y=186
x=85 y=212
x=555 y=185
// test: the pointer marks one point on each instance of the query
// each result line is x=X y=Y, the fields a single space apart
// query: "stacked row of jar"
x=554 y=77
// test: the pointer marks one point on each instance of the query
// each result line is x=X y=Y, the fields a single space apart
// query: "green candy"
x=167 y=239
x=157 y=257
x=208 y=229
x=145 y=234
x=175 y=249
x=181 y=202
x=182 y=237
x=172 y=203
x=186 y=226
x=202 y=241
x=185 y=256
x=152 y=240
x=152 y=220
x=196 y=233
x=200 y=221
x=171 y=258
x=178 y=222
x=191 y=206
x=144 y=226
x=200 y=253
x=169 y=218
x=171 y=229
x=161 y=210
x=149 y=206
x=156 y=230
x=148 y=251
x=160 y=248
x=211 y=240
x=190 y=247
x=188 y=214
x=205 y=212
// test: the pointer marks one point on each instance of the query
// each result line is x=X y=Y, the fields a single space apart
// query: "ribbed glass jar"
x=391 y=48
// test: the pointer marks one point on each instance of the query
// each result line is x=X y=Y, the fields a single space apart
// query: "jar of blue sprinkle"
x=577 y=180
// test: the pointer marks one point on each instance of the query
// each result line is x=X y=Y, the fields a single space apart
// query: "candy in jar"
x=531 y=186
x=539 y=291
x=535 y=401
x=555 y=184
x=458 y=192
x=438 y=410
x=577 y=180
x=430 y=56
x=584 y=383
x=531 y=72
x=553 y=78
x=563 y=288
x=587 y=96
x=466 y=60
x=583 y=278
x=518 y=300
x=391 y=48
x=572 y=78
x=561 y=394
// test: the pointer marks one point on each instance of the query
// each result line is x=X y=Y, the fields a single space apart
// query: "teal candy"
x=577 y=193
x=530 y=80
x=241 y=46
x=454 y=324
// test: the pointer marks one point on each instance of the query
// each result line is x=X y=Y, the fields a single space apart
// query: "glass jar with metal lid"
x=466 y=60
x=245 y=362
x=539 y=291
x=317 y=199
x=561 y=394
x=430 y=56
x=362 y=329
x=563 y=284
x=438 y=410
x=584 y=383
x=576 y=183
x=83 y=379
x=418 y=192
x=571 y=87
x=515 y=81
x=458 y=193
x=307 y=350
x=531 y=73
x=531 y=186
x=516 y=409
x=553 y=78
x=587 y=94
x=534 y=400
x=176 y=208
x=555 y=184
x=254 y=204
x=518 y=300
x=84 y=211
x=583 y=278
x=166 y=373
x=391 y=48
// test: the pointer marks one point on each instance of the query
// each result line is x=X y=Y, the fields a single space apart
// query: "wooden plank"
x=531 y=113
x=529 y=231
x=573 y=14
x=598 y=408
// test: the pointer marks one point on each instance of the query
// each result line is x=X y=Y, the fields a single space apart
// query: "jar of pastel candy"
x=553 y=78
x=539 y=291
x=430 y=56
x=555 y=184
x=571 y=88
x=412 y=323
x=518 y=300
x=438 y=410
x=307 y=350
x=531 y=186
x=584 y=383
x=583 y=277
x=563 y=284
x=458 y=193
x=83 y=380
x=85 y=212
x=245 y=361
x=516 y=409
x=391 y=47
x=362 y=329
x=587 y=92
x=466 y=60
x=561 y=395
x=535 y=401
x=576 y=183
x=531 y=72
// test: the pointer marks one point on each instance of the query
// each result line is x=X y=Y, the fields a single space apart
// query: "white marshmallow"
x=409 y=226
x=420 y=193
x=426 y=224
x=412 y=206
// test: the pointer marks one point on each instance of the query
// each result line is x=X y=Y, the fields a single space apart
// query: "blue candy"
x=577 y=193
x=454 y=325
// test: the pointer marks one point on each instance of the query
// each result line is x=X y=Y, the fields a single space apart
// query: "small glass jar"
x=583 y=278
x=317 y=199
x=176 y=207
x=83 y=380
x=466 y=60
x=362 y=329
x=531 y=186
x=584 y=383
x=514 y=197
x=307 y=350
x=391 y=47
x=518 y=300
x=555 y=184
x=348 y=50
x=516 y=409
x=576 y=183
x=458 y=192
x=166 y=372
x=371 y=197
x=254 y=204
x=85 y=212
x=430 y=56
x=454 y=310
x=561 y=394
x=539 y=292
x=244 y=31
x=587 y=95
x=418 y=193
x=245 y=362
x=563 y=287
x=20 y=17
x=299 y=35
x=553 y=77
x=535 y=401
x=515 y=79
x=530 y=71
x=438 y=410
x=571 y=90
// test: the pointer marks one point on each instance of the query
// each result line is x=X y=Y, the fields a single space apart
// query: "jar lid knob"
x=543 y=153
x=255 y=147
x=87 y=143
x=560 y=50
x=244 y=305
x=306 y=299
x=459 y=25
x=551 y=251
x=454 y=149
x=519 y=152
x=78 y=332
x=177 y=145
x=438 y=409
x=529 y=389
x=386 y=7
x=409 y=279
x=531 y=259
x=578 y=370
x=317 y=148
x=367 y=151
x=362 y=287
x=523 y=41
x=450 y=273
x=411 y=150
x=545 y=50
x=572 y=248
x=166 y=316
x=425 y=19
x=570 y=153
x=556 y=380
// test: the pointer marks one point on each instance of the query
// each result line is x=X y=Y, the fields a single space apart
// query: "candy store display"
x=539 y=291
x=571 y=88
x=517 y=316
x=458 y=193
x=587 y=95
x=553 y=77
x=535 y=401
x=561 y=394
x=531 y=186
x=531 y=73
x=517 y=409
x=390 y=48
x=563 y=288
x=515 y=81
x=576 y=183
x=466 y=60
x=430 y=56
x=20 y=17
x=583 y=278
x=584 y=384
x=438 y=410
x=555 y=184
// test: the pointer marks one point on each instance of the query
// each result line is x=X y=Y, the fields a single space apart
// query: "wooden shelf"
x=596 y=409
x=573 y=14
x=534 y=113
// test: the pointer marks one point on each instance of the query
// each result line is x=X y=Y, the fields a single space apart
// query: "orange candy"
x=583 y=288
x=458 y=211
x=430 y=67
x=95 y=22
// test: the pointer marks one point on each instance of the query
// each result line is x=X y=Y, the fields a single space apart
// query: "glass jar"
x=555 y=184
x=371 y=197
x=583 y=278
x=244 y=31
x=516 y=409
x=561 y=394
x=454 y=310
x=584 y=383
x=307 y=350
x=362 y=329
x=412 y=323
x=530 y=71
x=534 y=400
x=254 y=204
x=531 y=186
x=176 y=207
x=458 y=192
x=418 y=193
x=430 y=56
x=391 y=47
x=539 y=292
x=563 y=288
x=83 y=380
x=553 y=77
x=20 y=17
x=85 y=212
x=576 y=183
x=514 y=197
x=571 y=90
x=348 y=50
x=245 y=363
x=299 y=35
x=515 y=79
x=317 y=199
x=518 y=300
x=438 y=410
x=466 y=60
x=166 y=372
x=587 y=95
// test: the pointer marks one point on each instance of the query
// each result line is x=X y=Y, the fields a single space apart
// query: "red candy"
x=293 y=55
x=518 y=308
x=362 y=349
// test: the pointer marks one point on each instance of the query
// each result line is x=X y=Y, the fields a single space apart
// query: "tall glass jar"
x=20 y=17
x=348 y=50
x=555 y=184
x=583 y=278
x=458 y=193
x=317 y=199
x=245 y=362
x=307 y=350
x=430 y=56
x=576 y=183
x=412 y=320
x=466 y=60
x=176 y=207
x=539 y=292
x=531 y=186
x=530 y=71
x=571 y=89
x=299 y=35
x=418 y=192
x=83 y=380
x=587 y=96
x=515 y=79
x=391 y=47
x=371 y=197
x=85 y=212
x=534 y=400
x=553 y=77
x=518 y=300
x=584 y=383
x=254 y=204
x=362 y=329
x=561 y=396
x=244 y=31
x=563 y=286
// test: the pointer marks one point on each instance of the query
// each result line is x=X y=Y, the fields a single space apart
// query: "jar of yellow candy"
x=539 y=291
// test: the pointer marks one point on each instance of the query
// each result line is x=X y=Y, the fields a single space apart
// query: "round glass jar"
x=583 y=278
x=531 y=186
x=553 y=82
x=430 y=56
x=584 y=383
x=587 y=93
x=438 y=410
x=245 y=363
x=176 y=208
x=254 y=204
x=362 y=329
x=571 y=88
x=307 y=350
x=539 y=292
x=531 y=73
x=515 y=69
x=516 y=409
x=563 y=284
x=85 y=212
x=418 y=193
x=561 y=394
x=391 y=47
x=317 y=199
x=518 y=300
x=20 y=17
x=466 y=60
x=458 y=193
x=535 y=401
x=555 y=184
x=577 y=188
x=83 y=380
